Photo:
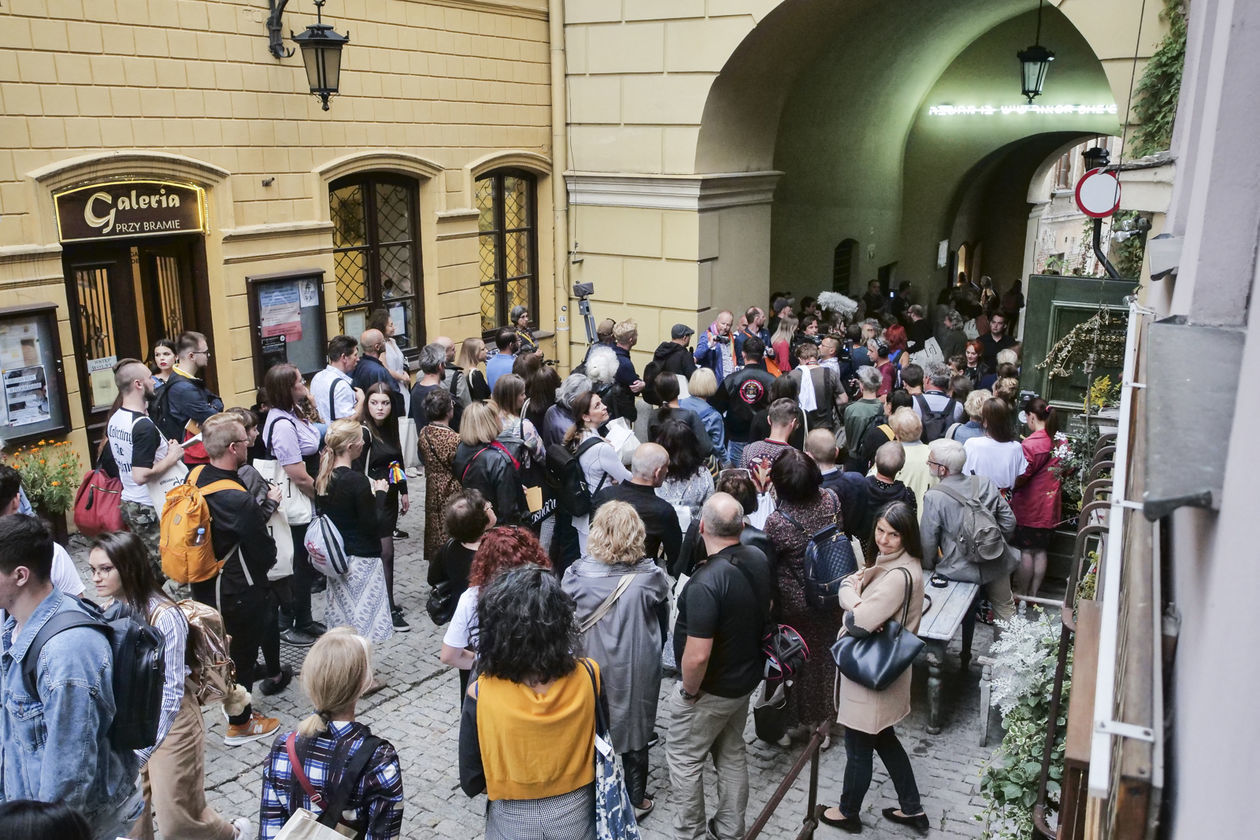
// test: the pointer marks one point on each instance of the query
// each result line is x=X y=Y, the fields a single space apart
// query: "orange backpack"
x=187 y=552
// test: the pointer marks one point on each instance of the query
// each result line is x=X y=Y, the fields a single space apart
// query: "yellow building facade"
x=162 y=171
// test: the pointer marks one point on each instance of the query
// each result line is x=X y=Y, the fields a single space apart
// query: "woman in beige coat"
x=870 y=597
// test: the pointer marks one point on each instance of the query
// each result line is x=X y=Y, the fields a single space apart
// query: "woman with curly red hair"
x=501 y=549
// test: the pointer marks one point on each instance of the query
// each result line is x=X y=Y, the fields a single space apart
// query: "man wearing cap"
x=673 y=356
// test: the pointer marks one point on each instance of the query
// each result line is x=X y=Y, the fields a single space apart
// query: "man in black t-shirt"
x=717 y=643
x=996 y=341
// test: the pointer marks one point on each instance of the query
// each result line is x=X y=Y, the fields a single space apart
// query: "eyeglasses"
x=233 y=443
x=205 y=353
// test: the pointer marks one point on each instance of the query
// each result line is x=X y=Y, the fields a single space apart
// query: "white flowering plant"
x=1026 y=658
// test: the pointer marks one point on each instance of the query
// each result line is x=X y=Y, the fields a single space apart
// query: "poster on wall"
x=275 y=351
x=101 y=378
x=280 y=311
x=26 y=395
x=308 y=292
x=19 y=344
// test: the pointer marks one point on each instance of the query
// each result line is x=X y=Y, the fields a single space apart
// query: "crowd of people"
x=584 y=553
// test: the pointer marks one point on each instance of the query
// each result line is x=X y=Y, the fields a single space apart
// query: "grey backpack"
x=980 y=539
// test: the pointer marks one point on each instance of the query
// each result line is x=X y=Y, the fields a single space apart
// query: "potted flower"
x=50 y=472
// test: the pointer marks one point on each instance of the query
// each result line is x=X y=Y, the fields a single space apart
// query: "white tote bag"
x=159 y=486
x=278 y=527
x=622 y=438
x=298 y=508
x=409 y=439
x=305 y=825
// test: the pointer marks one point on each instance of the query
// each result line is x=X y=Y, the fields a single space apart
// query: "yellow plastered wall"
x=450 y=82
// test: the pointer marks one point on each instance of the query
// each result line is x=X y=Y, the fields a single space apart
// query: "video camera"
x=582 y=291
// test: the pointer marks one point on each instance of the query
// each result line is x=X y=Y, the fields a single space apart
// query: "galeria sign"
x=125 y=209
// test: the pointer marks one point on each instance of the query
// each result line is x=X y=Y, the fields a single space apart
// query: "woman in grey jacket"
x=622 y=608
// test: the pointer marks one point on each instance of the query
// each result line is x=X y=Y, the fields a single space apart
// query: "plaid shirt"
x=377 y=800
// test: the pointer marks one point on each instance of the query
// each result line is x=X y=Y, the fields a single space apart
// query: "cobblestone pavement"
x=417 y=712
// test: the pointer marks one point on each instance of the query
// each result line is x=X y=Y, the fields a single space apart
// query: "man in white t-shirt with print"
x=141 y=454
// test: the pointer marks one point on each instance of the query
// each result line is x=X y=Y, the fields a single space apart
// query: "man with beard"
x=671 y=357
x=141 y=454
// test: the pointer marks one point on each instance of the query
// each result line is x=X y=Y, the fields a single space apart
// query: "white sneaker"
x=243 y=827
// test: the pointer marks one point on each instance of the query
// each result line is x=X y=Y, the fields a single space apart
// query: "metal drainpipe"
x=559 y=193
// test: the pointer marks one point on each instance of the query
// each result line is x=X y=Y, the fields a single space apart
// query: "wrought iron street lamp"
x=1096 y=158
x=321 y=50
x=1034 y=61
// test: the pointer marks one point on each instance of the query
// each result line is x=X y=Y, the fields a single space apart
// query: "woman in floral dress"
x=438 y=442
x=804 y=508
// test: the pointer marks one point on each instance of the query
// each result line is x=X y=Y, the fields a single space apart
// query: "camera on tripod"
x=582 y=291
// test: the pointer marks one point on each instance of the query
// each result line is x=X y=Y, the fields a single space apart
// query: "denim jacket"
x=55 y=747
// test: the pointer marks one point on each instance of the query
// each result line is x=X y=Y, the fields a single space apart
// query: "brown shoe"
x=251 y=730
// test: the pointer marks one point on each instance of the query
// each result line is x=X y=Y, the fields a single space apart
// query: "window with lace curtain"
x=507 y=246
x=376 y=252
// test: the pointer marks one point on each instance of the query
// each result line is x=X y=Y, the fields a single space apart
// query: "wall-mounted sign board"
x=128 y=209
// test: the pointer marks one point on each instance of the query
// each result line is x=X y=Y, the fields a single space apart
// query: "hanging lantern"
x=321 y=53
x=1034 y=61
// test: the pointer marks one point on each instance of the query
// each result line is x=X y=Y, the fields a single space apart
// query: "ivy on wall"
x=1155 y=99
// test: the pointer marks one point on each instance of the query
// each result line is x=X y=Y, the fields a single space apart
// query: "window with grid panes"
x=377 y=254
x=508 y=251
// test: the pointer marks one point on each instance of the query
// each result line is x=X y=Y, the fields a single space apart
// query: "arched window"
x=376 y=250
x=842 y=266
x=508 y=245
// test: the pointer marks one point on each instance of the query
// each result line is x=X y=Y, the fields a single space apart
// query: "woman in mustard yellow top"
x=527 y=736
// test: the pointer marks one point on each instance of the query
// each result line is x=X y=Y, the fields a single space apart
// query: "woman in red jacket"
x=1037 y=497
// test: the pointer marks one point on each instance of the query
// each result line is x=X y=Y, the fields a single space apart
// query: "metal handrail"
x=813 y=809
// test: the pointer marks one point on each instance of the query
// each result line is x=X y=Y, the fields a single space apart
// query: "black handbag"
x=877 y=660
x=441 y=603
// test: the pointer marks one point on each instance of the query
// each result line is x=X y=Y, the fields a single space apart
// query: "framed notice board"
x=286 y=319
x=33 y=382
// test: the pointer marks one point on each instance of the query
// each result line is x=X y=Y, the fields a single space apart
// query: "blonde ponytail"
x=340 y=435
x=335 y=674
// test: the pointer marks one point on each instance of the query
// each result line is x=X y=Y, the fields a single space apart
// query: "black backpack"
x=935 y=424
x=138 y=673
x=828 y=560
x=565 y=475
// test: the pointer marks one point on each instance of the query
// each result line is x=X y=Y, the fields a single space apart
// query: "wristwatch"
x=682 y=692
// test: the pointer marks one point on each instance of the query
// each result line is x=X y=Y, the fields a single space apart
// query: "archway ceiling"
x=896 y=51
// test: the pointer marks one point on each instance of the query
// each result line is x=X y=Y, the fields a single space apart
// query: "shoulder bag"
x=603 y=609
x=299 y=509
x=614 y=813
x=877 y=660
x=441 y=603
x=330 y=823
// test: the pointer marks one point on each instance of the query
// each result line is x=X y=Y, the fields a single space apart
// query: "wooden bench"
x=951 y=604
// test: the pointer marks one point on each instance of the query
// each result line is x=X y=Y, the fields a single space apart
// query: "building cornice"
x=672 y=192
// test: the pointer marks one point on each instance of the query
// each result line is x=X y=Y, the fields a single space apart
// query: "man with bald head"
x=647 y=472
x=722 y=613
x=452 y=373
x=141 y=453
x=371 y=369
x=716 y=348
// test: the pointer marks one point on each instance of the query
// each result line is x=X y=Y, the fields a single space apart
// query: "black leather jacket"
x=490 y=470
